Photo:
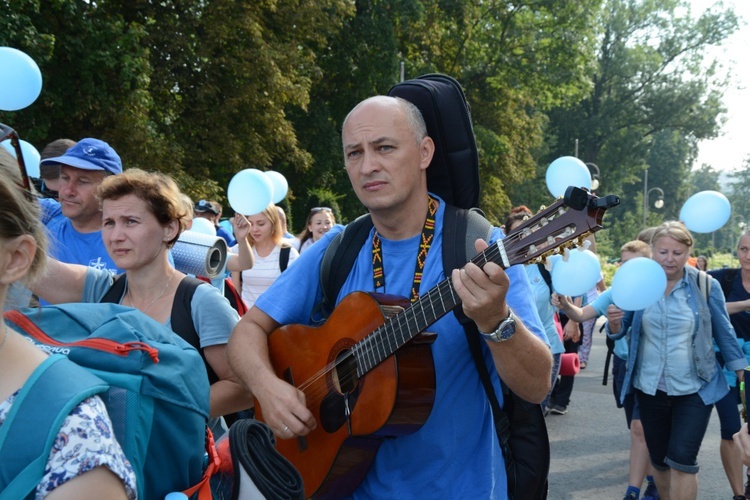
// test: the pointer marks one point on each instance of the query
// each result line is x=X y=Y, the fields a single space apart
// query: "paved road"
x=590 y=444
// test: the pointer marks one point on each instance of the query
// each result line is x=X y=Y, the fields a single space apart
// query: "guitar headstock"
x=562 y=225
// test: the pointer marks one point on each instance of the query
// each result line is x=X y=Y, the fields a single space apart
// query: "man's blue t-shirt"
x=68 y=245
x=455 y=454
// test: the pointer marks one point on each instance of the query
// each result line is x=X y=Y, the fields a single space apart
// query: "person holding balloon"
x=273 y=254
x=672 y=367
x=639 y=467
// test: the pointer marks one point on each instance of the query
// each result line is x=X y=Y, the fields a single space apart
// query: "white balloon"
x=203 y=226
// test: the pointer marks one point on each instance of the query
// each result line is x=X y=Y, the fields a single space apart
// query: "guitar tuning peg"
x=566 y=254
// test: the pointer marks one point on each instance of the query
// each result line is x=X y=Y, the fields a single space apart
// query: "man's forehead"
x=80 y=172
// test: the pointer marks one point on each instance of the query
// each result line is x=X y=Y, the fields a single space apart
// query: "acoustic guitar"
x=367 y=373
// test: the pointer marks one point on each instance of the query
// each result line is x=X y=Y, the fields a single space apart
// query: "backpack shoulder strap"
x=182 y=318
x=33 y=422
x=546 y=276
x=284 y=258
x=456 y=253
x=114 y=294
x=704 y=284
x=342 y=250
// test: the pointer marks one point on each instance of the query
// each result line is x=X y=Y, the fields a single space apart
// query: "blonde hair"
x=277 y=233
x=160 y=193
x=19 y=216
x=675 y=230
x=637 y=246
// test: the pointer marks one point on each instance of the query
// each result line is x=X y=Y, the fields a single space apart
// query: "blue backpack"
x=153 y=383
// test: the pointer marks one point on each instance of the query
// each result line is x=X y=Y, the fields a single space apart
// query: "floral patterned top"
x=85 y=441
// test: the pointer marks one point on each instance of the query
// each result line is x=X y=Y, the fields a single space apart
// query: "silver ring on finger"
x=286 y=428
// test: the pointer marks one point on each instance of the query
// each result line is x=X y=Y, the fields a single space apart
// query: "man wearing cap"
x=75 y=223
x=207 y=210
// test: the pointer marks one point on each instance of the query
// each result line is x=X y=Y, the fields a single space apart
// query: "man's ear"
x=20 y=252
x=426 y=150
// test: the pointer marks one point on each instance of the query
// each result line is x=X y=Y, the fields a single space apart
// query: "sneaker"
x=631 y=496
x=739 y=497
x=558 y=410
x=651 y=493
x=583 y=365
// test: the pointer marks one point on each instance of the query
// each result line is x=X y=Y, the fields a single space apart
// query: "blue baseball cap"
x=89 y=154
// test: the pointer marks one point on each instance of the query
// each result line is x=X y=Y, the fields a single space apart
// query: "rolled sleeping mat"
x=260 y=472
x=570 y=364
x=200 y=254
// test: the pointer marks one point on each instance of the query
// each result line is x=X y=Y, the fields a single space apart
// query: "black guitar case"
x=454 y=172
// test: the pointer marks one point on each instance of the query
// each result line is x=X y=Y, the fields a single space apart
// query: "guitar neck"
x=569 y=219
x=407 y=324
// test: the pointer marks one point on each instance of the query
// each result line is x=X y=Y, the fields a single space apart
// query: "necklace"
x=130 y=294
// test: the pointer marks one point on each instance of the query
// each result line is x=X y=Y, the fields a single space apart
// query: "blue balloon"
x=280 y=185
x=31 y=157
x=705 y=212
x=567 y=171
x=22 y=80
x=203 y=226
x=579 y=274
x=250 y=191
x=638 y=284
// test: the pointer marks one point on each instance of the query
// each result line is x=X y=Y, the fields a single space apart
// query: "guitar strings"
x=372 y=349
x=383 y=340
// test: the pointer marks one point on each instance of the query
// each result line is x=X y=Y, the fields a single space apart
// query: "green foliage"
x=650 y=101
x=201 y=89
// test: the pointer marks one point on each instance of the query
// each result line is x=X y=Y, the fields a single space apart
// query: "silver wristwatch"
x=504 y=331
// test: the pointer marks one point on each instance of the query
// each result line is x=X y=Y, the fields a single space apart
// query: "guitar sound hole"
x=345 y=375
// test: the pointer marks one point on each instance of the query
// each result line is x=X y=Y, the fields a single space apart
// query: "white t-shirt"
x=264 y=272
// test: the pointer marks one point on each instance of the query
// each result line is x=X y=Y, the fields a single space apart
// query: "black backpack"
x=520 y=425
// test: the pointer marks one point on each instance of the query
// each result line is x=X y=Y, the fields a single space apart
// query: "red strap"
x=203 y=488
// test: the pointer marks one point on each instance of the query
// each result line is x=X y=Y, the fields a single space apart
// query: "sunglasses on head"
x=8 y=133
x=321 y=209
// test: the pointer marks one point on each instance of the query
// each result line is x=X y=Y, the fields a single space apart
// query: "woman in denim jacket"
x=672 y=366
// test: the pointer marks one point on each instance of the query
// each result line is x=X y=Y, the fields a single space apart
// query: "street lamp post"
x=646 y=193
x=595 y=175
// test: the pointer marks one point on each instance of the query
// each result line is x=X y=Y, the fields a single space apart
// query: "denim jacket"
x=711 y=323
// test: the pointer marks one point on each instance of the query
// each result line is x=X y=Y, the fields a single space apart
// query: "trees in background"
x=203 y=89
x=652 y=96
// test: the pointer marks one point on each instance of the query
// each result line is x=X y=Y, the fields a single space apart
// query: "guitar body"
x=392 y=399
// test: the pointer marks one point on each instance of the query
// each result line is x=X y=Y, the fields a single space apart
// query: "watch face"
x=504 y=331
x=507 y=328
